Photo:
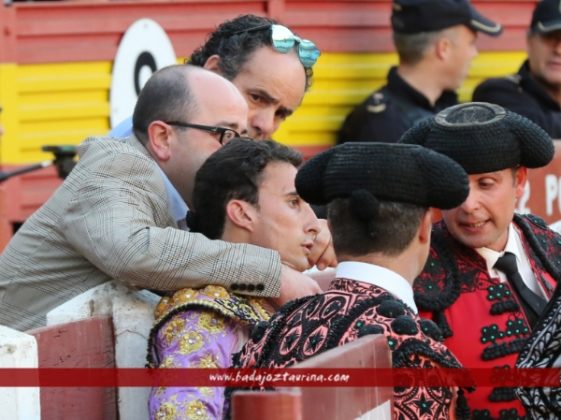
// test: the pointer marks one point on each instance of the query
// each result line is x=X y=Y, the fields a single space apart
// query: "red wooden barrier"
x=86 y=344
x=324 y=403
x=275 y=405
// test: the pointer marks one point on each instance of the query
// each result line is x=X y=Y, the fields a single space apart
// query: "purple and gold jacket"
x=199 y=328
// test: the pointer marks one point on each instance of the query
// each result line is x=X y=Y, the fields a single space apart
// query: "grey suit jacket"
x=110 y=220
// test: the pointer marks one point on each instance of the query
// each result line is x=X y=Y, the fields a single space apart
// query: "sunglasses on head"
x=283 y=40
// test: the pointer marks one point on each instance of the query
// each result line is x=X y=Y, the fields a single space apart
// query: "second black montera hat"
x=483 y=137
x=388 y=171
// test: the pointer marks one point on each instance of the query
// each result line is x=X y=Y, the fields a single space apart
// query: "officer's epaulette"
x=514 y=78
x=378 y=103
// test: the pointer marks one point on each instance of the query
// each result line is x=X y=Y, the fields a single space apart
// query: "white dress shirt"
x=378 y=276
x=513 y=245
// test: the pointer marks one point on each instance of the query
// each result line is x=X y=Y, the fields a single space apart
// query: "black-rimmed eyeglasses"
x=223 y=134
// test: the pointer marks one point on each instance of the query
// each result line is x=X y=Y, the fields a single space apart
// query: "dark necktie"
x=533 y=304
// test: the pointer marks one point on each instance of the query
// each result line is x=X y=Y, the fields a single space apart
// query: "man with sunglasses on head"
x=119 y=214
x=270 y=65
x=435 y=42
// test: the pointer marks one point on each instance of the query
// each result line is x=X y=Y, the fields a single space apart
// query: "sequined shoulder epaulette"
x=215 y=298
x=245 y=309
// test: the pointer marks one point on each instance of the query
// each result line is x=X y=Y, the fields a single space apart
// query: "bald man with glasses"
x=119 y=214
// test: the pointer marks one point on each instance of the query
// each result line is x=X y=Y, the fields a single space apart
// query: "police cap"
x=414 y=16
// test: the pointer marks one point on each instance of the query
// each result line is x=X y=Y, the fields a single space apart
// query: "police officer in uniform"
x=535 y=91
x=435 y=42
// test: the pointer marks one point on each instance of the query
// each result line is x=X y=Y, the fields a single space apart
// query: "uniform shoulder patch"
x=378 y=103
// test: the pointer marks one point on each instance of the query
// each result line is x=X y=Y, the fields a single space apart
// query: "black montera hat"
x=546 y=17
x=414 y=16
x=483 y=138
x=388 y=171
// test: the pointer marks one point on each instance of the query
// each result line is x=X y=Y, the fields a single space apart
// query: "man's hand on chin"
x=323 y=254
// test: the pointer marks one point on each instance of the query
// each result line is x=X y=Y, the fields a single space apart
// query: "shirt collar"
x=513 y=245
x=378 y=276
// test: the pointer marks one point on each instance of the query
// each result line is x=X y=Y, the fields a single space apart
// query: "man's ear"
x=442 y=47
x=159 y=137
x=425 y=227
x=213 y=63
x=241 y=214
x=520 y=179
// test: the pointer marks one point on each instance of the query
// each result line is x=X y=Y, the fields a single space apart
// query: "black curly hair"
x=233 y=172
x=234 y=41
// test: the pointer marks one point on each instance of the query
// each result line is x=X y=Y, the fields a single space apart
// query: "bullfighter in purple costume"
x=243 y=193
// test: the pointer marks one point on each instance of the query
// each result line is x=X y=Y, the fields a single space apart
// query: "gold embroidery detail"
x=162 y=307
x=206 y=391
x=257 y=305
x=183 y=296
x=173 y=328
x=168 y=362
x=190 y=342
x=215 y=298
x=208 y=321
x=167 y=411
x=208 y=361
x=196 y=410
x=166 y=304
x=216 y=292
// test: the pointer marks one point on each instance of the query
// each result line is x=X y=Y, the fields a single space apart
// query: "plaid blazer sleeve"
x=118 y=219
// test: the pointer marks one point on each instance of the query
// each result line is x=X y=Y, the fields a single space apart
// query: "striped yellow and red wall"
x=56 y=60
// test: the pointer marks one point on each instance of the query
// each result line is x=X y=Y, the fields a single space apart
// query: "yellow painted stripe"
x=9 y=115
x=55 y=104
x=341 y=81
x=64 y=103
